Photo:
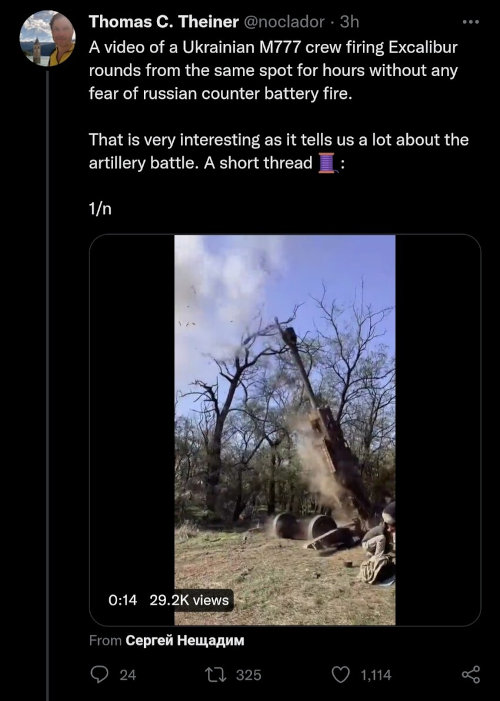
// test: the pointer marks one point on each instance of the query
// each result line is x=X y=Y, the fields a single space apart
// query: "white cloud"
x=217 y=295
x=38 y=25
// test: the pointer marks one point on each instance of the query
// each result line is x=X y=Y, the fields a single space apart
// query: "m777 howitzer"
x=330 y=440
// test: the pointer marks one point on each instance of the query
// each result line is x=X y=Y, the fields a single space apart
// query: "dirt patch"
x=278 y=582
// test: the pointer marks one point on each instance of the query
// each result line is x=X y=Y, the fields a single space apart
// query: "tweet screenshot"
x=260 y=237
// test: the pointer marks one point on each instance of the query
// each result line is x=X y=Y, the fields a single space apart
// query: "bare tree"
x=238 y=375
x=267 y=411
x=188 y=462
x=246 y=439
x=346 y=355
x=283 y=398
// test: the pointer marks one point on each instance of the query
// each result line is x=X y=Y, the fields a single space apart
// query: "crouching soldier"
x=382 y=538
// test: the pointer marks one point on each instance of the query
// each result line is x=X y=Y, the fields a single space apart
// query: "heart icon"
x=340 y=674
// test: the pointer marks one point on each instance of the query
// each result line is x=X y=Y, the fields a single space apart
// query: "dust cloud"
x=316 y=470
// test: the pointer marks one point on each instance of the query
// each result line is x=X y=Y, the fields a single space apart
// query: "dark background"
x=427 y=197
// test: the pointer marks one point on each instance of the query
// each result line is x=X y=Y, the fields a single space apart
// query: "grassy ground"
x=277 y=581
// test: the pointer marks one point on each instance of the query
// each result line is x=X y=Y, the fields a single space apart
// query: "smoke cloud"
x=218 y=292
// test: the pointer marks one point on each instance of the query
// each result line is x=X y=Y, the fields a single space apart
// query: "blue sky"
x=341 y=263
x=223 y=281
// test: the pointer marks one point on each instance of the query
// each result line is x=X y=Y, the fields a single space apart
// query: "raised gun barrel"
x=290 y=339
x=342 y=462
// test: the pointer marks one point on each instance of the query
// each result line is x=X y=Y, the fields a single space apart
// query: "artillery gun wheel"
x=285 y=525
x=319 y=525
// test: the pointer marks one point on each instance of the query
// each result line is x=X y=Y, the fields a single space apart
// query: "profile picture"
x=47 y=38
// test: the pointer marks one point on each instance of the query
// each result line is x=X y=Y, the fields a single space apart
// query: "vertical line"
x=47 y=251
x=480 y=430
